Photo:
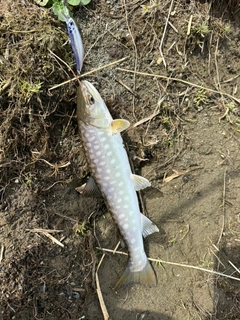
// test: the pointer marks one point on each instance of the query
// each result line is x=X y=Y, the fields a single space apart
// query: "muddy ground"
x=181 y=94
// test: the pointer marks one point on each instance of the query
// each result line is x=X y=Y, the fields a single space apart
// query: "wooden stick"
x=182 y=81
x=178 y=265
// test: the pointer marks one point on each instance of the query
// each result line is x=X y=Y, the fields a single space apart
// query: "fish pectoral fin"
x=146 y=277
x=140 y=182
x=148 y=227
x=90 y=189
x=118 y=125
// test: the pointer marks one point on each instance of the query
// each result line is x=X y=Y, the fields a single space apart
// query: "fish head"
x=91 y=109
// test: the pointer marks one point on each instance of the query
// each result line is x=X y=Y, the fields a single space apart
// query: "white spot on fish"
x=112 y=161
x=117 y=174
x=106 y=146
x=96 y=146
x=98 y=153
x=121 y=192
x=109 y=153
x=91 y=138
x=120 y=184
x=125 y=206
x=121 y=216
x=126 y=225
x=119 y=200
x=139 y=262
x=133 y=240
x=107 y=178
x=108 y=171
x=103 y=139
x=102 y=163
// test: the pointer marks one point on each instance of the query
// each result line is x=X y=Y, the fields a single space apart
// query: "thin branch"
x=99 y=293
x=223 y=207
x=136 y=55
x=164 y=33
x=178 y=265
x=87 y=73
x=182 y=81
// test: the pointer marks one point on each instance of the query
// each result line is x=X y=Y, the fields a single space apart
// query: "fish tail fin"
x=146 y=277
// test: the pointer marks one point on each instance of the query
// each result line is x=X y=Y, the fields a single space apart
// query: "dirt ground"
x=178 y=85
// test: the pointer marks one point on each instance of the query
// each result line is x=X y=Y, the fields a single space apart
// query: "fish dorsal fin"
x=118 y=125
x=148 y=227
x=140 y=182
x=90 y=189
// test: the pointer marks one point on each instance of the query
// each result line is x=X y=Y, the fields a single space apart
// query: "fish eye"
x=90 y=99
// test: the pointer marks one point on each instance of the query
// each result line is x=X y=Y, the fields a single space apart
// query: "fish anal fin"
x=119 y=125
x=89 y=189
x=148 y=227
x=146 y=277
x=140 y=182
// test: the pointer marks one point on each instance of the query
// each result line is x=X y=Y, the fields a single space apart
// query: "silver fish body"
x=111 y=171
x=76 y=42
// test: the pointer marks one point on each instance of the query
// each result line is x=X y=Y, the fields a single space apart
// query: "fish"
x=75 y=41
x=111 y=176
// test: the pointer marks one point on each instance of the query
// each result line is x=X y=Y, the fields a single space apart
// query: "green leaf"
x=85 y=2
x=74 y=2
x=41 y=2
x=59 y=9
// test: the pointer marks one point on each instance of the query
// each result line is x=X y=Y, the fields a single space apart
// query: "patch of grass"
x=201 y=97
x=201 y=30
x=28 y=88
x=204 y=262
x=80 y=229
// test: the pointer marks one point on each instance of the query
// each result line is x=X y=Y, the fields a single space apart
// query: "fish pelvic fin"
x=146 y=277
x=148 y=227
x=140 y=182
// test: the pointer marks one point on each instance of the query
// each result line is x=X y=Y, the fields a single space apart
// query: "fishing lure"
x=76 y=41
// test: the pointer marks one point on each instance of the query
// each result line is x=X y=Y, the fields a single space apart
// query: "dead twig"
x=2 y=252
x=75 y=76
x=234 y=266
x=55 y=166
x=154 y=114
x=182 y=81
x=177 y=174
x=5 y=86
x=136 y=55
x=164 y=33
x=99 y=293
x=223 y=207
x=87 y=73
x=189 y=25
x=178 y=265
x=128 y=89
x=47 y=234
